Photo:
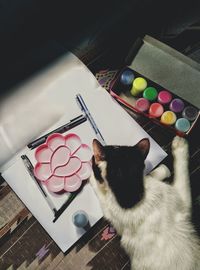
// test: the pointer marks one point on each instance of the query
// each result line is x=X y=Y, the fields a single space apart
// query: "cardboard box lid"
x=169 y=68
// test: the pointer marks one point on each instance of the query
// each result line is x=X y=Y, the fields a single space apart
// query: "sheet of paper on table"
x=45 y=103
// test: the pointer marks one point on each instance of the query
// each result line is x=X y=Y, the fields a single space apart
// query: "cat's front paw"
x=165 y=171
x=179 y=147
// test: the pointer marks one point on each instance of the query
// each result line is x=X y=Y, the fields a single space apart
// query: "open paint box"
x=63 y=162
x=150 y=99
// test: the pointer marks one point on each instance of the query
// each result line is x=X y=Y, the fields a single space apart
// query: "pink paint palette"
x=63 y=162
x=150 y=99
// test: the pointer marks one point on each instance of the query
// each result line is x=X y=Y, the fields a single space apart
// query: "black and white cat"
x=152 y=217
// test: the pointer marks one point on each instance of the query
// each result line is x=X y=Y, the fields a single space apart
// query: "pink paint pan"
x=63 y=162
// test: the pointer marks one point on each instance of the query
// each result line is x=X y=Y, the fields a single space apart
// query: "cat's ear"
x=98 y=149
x=144 y=146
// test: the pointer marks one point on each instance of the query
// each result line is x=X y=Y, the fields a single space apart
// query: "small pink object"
x=70 y=168
x=142 y=104
x=164 y=97
x=54 y=141
x=60 y=157
x=83 y=153
x=156 y=110
x=72 y=183
x=42 y=171
x=73 y=142
x=43 y=153
x=84 y=171
x=55 y=183
x=63 y=162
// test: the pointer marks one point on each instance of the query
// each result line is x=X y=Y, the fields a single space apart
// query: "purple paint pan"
x=63 y=162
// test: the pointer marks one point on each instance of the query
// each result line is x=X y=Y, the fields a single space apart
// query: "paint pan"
x=63 y=162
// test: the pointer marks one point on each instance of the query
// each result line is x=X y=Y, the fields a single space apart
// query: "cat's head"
x=119 y=169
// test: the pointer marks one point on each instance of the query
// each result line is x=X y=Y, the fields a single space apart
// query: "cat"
x=152 y=217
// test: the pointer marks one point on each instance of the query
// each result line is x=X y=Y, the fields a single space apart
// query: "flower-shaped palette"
x=63 y=162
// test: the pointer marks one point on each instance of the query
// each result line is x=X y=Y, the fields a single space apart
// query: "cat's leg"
x=161 y=172
x=181 y=170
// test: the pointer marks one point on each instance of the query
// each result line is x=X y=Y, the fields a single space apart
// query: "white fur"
x=157 y=233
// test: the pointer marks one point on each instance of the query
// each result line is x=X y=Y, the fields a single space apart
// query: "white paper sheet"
x=116 y=126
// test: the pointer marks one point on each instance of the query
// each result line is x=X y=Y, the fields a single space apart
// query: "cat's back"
x=164 y=239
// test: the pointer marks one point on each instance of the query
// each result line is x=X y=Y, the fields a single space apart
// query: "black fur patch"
x=125 y=167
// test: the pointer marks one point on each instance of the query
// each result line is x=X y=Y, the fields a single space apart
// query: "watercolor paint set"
x=150 y=99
